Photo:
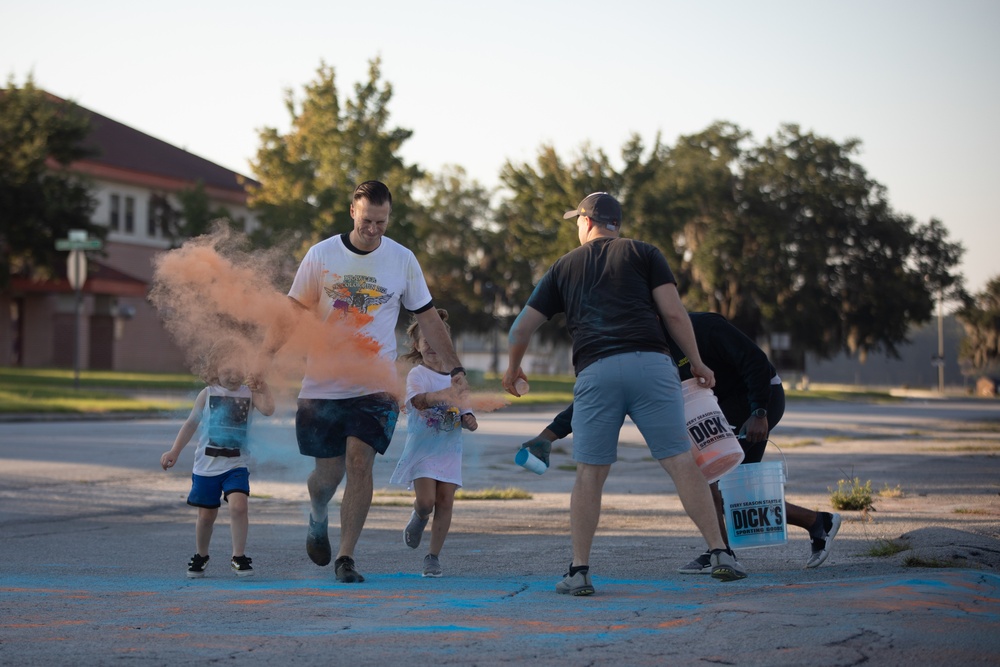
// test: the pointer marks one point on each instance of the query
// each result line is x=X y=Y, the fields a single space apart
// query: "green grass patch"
x=545 y=389
x=568 y=467
x=51 y=391
x=974 y=449
x=61 y=377
x=839 y=394
x=966 y=510
x=884 y=548
x=510 y=493
x=799 y=443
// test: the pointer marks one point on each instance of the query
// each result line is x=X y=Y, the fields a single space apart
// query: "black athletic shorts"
x=322 y=426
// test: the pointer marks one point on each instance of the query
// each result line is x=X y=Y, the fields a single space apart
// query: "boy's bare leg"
x=203 y=529
x=239 y=521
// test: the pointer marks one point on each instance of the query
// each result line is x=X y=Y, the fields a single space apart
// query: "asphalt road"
x=95 y=538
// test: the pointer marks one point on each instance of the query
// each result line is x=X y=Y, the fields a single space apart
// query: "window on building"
x=114 y=222
x=150 y=219
x=130 y=215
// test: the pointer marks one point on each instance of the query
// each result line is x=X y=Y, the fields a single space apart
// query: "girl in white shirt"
x=431 y=462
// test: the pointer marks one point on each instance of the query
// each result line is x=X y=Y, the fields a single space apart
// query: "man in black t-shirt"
x=614 y=292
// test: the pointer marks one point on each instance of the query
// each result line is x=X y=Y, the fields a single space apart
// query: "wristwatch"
x=760 y=413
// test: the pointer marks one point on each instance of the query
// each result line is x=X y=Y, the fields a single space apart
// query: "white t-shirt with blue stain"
x=225 y=425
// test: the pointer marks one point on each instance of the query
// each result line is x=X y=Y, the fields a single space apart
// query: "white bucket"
x=753 y=499
x=716 y=450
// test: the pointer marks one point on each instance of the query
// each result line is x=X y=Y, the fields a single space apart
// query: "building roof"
x=124 y=149
x=101 y=279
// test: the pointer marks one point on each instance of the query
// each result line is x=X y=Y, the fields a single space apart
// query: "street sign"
x=78 y=241
x=89 y=244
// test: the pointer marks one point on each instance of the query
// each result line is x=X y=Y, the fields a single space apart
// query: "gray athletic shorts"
x=642 y=385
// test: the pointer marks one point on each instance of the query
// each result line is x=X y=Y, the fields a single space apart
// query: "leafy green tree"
x=193 y=216
x=981 y=318
x=787 y=236
x=40 y=199
x=840 y=268
x=307 y=175
x=453 y=242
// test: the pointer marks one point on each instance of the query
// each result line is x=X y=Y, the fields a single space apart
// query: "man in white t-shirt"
x=339 y=423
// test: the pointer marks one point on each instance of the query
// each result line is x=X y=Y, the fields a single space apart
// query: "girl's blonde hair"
x=413 y=331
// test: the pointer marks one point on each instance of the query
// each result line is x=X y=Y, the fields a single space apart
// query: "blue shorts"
x=207 y=491
x=642 y=385
x=322 y=426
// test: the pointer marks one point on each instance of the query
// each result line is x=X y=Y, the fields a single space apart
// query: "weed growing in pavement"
x=851 y=494
x=883 y=548
x=891 y=492
x=492 y=493
x=917 y=561
x=510 y=493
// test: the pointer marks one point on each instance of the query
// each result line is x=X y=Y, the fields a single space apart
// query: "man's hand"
x=540 y=448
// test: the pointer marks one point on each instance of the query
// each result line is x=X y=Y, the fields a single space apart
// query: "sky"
x=917 y=82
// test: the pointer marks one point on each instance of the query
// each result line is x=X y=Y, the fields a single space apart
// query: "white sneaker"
x=725 y=567
x=821 y=542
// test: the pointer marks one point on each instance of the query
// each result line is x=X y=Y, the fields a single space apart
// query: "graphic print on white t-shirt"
x=359 y=292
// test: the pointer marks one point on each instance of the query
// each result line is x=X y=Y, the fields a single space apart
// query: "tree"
x=981 y=318
x=193 y=216
x=451 y=224
x=840 y=268
x=307 y=176
x=787 y=236
x=40 y=199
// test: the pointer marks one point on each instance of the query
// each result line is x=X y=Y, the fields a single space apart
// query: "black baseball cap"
x=599 y=207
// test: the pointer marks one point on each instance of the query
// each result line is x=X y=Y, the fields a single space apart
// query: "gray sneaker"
x=700 y=565
x=318 y=542
x=576 y=584
x=725 y=567
x=414 y=530
x=432 y=566
x=823 y=538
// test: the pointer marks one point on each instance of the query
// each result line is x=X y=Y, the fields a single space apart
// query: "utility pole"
x=940 y=343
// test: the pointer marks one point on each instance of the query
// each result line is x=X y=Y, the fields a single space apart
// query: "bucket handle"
x=783 y=459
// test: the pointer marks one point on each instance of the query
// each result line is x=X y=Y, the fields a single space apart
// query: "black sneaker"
x=318 y=542
x=345 y=571
x=821 y=537
x=196 y=566
x=241 y=566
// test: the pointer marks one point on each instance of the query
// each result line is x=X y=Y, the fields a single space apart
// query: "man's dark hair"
x=376 y=192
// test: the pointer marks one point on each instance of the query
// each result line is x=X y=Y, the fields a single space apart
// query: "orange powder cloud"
x=213 y=289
